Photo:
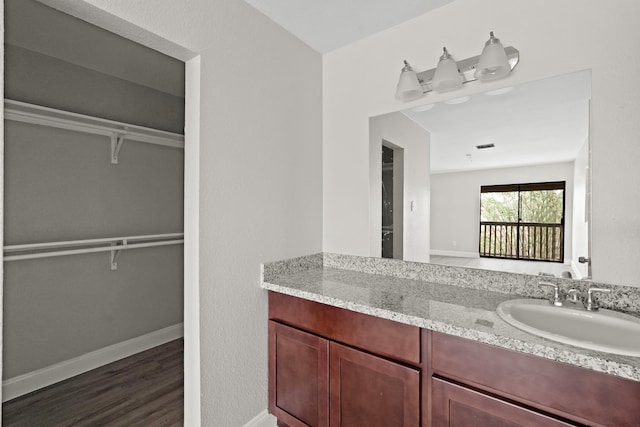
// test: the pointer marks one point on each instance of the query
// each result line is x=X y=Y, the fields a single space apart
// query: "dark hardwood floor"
x=145 y=389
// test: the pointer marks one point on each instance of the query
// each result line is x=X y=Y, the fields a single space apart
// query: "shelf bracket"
x=115 y=254
x=116 y=145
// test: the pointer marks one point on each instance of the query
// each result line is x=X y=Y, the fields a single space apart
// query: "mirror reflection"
x=498 y=180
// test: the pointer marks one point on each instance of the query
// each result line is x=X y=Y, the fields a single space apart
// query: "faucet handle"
x=573 y=295
x=591 y=302
x=558 y=296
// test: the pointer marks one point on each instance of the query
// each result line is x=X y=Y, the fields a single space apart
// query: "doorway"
x=189 y=196
x=392 y=200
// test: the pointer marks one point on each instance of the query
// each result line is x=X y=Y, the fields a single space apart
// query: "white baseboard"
x=459 y=254
x=263 y=419
x=31 y=381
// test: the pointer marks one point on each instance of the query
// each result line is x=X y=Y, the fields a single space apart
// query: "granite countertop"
x=455 y=310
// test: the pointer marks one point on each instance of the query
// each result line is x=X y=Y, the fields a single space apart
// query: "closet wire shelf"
x=117 y=132
x=113 y=245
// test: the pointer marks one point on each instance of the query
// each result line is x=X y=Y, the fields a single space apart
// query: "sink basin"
x=604 y=330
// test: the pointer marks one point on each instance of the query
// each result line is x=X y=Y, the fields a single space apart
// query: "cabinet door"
x=456 y=406
x=298 y=377
x=368 y=391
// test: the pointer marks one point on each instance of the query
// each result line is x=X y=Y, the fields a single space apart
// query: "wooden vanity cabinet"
x=369 y=391
x=298 y=376
x=458 y=406
x=334 y=367
x=498 y=387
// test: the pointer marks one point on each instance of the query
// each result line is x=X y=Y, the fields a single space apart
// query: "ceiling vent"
x=485 y=146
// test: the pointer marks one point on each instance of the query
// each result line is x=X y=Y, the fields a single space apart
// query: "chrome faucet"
x=574 y=299
x=558 y=295
x=591 y=302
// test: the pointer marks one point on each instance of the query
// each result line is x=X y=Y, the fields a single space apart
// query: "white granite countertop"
x=455 y=310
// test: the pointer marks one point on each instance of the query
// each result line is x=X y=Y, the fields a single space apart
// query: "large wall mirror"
x=498 y=180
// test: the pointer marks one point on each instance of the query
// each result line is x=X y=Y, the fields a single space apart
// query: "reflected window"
x=523 y=221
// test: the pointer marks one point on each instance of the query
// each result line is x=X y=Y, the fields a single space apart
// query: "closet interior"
x=93 y=197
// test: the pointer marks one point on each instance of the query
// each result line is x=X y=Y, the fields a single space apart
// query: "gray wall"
x=254 y=168
x=43 y=80
x=60 y=185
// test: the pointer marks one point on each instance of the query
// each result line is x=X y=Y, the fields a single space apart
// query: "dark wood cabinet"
x=333 y=367
x=369 y=391
x=365 y=391
x=298 y=377
x=568 y=392
x=383 y=337
x=457 y=406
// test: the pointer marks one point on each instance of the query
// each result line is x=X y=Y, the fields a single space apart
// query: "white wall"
x=554 y=37
x=1 y=178
x=260 y=179
x=401 y=131
x=455 y=204
x=580 y=245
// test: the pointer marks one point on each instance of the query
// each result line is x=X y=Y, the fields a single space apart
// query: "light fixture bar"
x=467 y=67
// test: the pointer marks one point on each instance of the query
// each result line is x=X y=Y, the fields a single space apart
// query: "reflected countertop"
x=460 y=311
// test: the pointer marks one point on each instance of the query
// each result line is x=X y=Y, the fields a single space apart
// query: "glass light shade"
x=408 y=85
x=493 y=63
x=447 y=77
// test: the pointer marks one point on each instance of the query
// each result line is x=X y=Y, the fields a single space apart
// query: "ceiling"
x=326 y=25
x=541 y=122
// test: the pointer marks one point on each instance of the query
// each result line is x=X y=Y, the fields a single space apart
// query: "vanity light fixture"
x=493 y=63
x=450 y=75
x=408 y=86
x=447 y=77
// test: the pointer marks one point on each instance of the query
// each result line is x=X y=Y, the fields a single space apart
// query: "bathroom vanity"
x=358 y=349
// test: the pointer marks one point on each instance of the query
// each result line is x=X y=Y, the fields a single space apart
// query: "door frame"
x=109 y=22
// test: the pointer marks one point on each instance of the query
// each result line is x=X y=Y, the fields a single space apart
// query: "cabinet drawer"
x=456 y=406
x=381 y=336
x=569 y=391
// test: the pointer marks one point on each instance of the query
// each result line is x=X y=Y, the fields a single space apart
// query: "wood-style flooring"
x=145 y=389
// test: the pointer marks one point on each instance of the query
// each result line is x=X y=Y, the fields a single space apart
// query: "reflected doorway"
x=392 y=200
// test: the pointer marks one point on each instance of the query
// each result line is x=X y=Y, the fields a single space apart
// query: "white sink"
x=603 y=330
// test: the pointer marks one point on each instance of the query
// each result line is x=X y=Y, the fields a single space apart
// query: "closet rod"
x=114 y=245
x=91 y=250
x=86 y=242
x=45 y=116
